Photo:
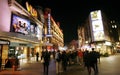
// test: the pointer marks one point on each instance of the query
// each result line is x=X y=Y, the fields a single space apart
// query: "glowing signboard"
x=31 y=10
x=97 y=26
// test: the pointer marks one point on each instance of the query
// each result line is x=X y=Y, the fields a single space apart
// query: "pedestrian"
x=46 y=58
x=64 y=60
x=93 y=61
x=42 y=53
x=86 y=60
x=98 y=56
x=37 y=56
x=80 y=57
x=58 y=61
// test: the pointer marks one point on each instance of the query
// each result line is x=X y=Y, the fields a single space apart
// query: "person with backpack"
x=58 y=61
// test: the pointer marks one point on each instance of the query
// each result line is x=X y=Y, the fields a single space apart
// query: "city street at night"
x=108 y=66
x=57 y=37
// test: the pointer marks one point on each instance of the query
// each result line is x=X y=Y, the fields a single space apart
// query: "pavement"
x=34 y=68
x=107 y=66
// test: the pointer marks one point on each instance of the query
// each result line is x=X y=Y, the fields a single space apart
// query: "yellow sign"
x=31 y=9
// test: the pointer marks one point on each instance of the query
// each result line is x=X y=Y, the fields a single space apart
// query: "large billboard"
x=25 y=26
x=97 y=26
x=20 y=25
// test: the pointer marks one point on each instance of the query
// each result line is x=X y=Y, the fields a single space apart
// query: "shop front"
x=21 y=29
x=103 y=47
x=4 y=46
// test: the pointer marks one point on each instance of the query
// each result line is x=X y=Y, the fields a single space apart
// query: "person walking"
x=86 y=60
x=98 y=56
x=46 y=62
x=37 y=56
x=80 y=57
x=58 y=61
x=93 y=61
x=64 y=60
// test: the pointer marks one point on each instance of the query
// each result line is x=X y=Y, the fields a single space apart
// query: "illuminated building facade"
x=114 y=27
x=96 y=32
x=53 y=34
x=20 y=31
x=84 y=35
x=81 y=36
x=114 y=32
x=99 y=27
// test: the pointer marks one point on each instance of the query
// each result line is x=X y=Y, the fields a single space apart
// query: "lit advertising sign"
x=31 y=9
x=95 y=15
x=24 y=26
x=97 y=26
x=20 y=25
x=98 y=35
x=49 y=26
x=38 y=33
x=33 y=30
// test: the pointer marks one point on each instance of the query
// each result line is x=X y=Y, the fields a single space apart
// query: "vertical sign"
x=49 y=25
x=97 y=26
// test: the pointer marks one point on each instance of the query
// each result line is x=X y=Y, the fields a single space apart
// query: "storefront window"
x=11 y=52
x=15 y=51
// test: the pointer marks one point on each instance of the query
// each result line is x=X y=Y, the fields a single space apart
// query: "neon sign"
x=31 y=9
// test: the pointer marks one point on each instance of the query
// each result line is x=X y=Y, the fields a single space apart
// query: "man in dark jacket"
x=46 y=57
x=93 y=60
x=86 y=60
x=64 y=60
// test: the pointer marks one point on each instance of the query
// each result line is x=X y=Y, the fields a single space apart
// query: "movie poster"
x=20 y=25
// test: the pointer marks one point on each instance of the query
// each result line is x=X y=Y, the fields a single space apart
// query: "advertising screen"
x=99 y=35
x=97 y=26
x=33 y=29
x=20 y=25
x=38 y=32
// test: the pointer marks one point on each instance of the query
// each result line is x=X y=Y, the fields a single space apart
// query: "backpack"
x=58 y=57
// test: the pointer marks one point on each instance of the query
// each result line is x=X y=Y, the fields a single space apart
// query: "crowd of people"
x=63 y=59
x=90 y=60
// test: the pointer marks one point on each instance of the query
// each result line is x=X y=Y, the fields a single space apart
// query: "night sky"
x=72 y=13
